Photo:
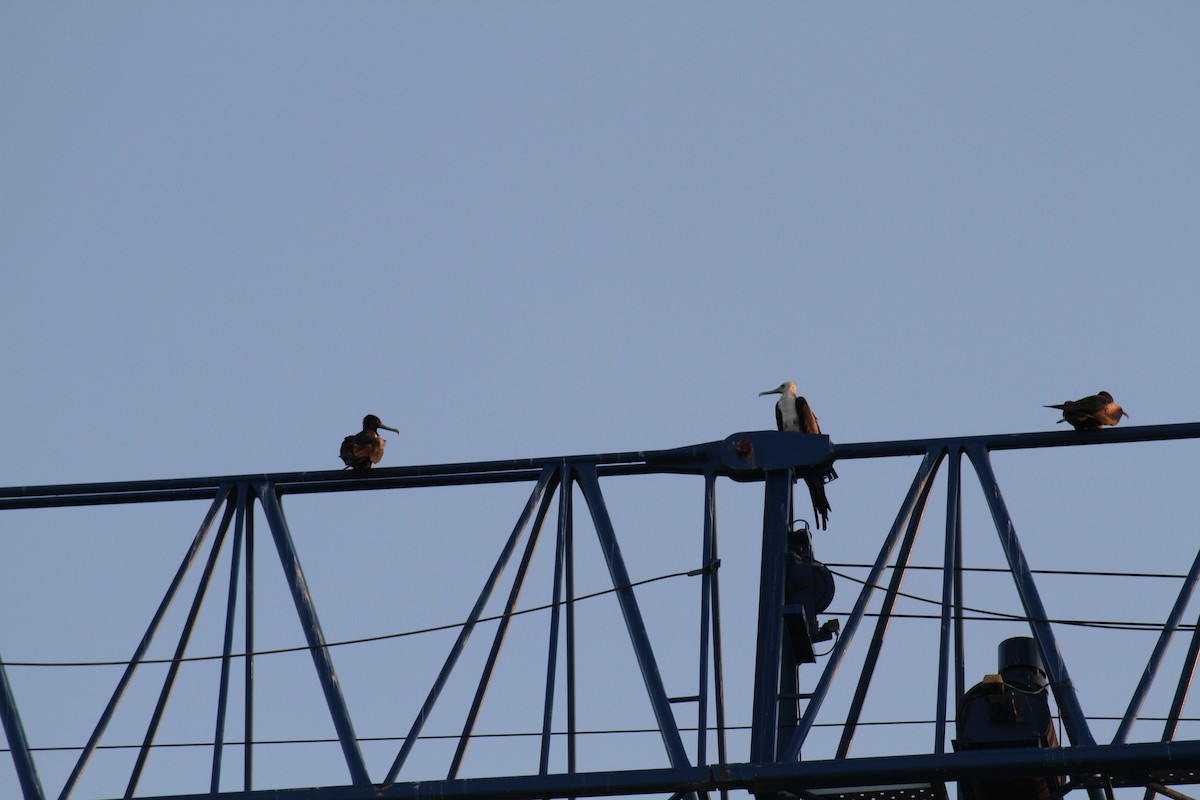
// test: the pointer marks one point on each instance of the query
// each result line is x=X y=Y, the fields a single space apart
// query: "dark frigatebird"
x=365 y=448
x=1091 y=413
x=793 y=413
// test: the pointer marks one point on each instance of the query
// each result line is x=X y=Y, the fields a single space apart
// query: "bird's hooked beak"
x=776 y=390
x=388 y=428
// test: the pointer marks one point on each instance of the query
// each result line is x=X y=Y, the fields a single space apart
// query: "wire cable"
x=988 y=615
x=1005 y=570
x=362 y=640
x=1004 y=616
x=523 y=734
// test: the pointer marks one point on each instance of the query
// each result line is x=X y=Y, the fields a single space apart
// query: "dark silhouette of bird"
x=365 y=448
x=1091 y=413
x=793 y=413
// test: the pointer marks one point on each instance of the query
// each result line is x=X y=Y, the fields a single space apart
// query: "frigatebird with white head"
x=365 y=448
x=792 y=413
x=1091 y=413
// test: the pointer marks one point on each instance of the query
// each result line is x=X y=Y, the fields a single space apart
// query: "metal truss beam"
x=1123 y=765
x=777 y=738
x=696 y=460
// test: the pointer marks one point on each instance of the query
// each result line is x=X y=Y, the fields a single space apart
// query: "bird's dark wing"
x=361 y=450
x=808 y=420
x=778 y=418
x=347 y=454
x=1086 y=405
x=1083 y=414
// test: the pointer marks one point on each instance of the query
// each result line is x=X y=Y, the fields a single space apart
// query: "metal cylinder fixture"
x=1019 y=661
x=1010 y=709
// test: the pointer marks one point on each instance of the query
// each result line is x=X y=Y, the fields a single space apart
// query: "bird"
x=365 y=448
x=1091 y=413
x=792 y=413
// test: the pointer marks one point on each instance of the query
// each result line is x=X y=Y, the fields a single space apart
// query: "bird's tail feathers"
x=820 y=501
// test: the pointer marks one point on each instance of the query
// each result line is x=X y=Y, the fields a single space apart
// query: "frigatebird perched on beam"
x=1091 y=413
x=793 y=413
x=365 y=448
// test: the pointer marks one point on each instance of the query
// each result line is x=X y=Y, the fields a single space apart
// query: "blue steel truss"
x=780 y=722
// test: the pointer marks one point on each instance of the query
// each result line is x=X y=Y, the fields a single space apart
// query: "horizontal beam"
x=688 y=460
x=1021 y=441
x=1125 y=763
x=694 y=459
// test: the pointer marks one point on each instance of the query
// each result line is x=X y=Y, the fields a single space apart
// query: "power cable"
x=362 y=640
x=1004 y=616
x=525 y=734
x=1005 y=570
x=988 y=615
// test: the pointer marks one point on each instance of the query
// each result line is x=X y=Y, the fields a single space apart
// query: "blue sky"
x=230 y=230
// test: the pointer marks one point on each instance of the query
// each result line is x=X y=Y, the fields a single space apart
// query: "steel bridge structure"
x=791 y=682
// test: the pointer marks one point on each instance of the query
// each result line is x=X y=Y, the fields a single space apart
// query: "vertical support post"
x=713 y=577
x=226 y=653
x=1160 y=649
x=569 y=555
x=949 y=573
x=788 y=704
x=545 y=483
x=960 y=643
x=248 y=736
x=180 y=649
x=634 y=624
x=708 y=567
x=498 y=640
x=924 y=475
x=18 y=745
x=312 y=630
x=560 y=543
x=764 y=720
x=136 y=660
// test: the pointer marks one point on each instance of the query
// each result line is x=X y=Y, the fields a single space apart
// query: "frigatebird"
x=1091 y=413
x=365 y=448
x=792 y=413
